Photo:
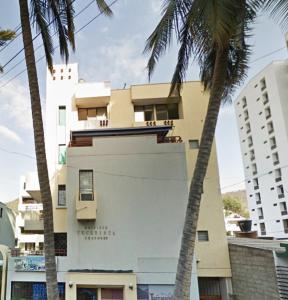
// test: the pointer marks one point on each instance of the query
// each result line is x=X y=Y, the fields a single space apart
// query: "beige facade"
x=120 y=105
x=139 y=148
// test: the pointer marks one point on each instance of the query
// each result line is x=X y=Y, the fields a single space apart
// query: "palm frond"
x=38 y=11
x=104 y=7
x=278 y=10
x=5 y=36
x=161 y=38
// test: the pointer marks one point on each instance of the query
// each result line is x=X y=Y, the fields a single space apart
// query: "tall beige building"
x=120 y=162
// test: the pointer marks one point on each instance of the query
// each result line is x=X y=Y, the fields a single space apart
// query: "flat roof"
x=143 y=130
x=272 y=245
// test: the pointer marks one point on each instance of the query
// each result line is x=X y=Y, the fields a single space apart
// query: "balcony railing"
x=170 y=139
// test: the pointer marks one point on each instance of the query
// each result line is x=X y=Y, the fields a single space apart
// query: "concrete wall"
x=253 y=273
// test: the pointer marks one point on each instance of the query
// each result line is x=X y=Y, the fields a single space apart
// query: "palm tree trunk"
x=184 y=268
x=50 y=262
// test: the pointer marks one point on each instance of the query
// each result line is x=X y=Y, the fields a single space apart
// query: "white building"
x=29 y=221
x=261 y=112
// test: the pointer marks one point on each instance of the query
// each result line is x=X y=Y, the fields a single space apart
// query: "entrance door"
x=111 y=294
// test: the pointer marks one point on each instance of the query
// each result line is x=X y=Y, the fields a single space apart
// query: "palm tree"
x=44 y=13
x=5 y=36
x=213 y=32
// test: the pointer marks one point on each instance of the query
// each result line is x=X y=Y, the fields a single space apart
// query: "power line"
x=84 y=26
x=268 y=54
x=41 y=45
x=35 y=37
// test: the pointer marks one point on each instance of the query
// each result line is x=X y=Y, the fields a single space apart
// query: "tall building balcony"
x=32 y=186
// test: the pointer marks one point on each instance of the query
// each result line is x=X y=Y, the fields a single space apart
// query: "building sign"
x=30 y=264
x=154 y=292
x=92 y=232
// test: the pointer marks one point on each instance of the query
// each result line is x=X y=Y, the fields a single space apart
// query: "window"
x=34 y=290
x=254 y=169
x=61 y=195
x=273 y=142
x=262 y=228
x=280 y=191
x=275 y=158
x=283 y=208
x=98 y=113
x=62 y=115
x=29 y=246
x=62 y=154
x=258 y=198
x=252 y=155
x=144 y=113
x=260 y=213
x=270 y=127
x=265 y=98
x=60 y=241
x=86 y=185
x=267 y=112
x=285 y=225
x=250 y=141
x=263 y=84
x=246 y=115
x=87 y=293
x=278 y=175
x=156 y=112
x=256 y=183
x=194 y=144
x=167 y=111
x=203 y=236
x=1 y=212
x=244 y=102
x=248 y=127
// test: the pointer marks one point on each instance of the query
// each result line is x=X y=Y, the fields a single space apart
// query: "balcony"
x=33 y=225
x=94 y=94
x=32 y=186
x=283 y=212
x=169 y=139
x=280 y=196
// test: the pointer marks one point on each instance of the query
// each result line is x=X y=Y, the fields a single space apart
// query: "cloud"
x=15 y=105
x=9 y=134
x=119 y=60
x=156 y=6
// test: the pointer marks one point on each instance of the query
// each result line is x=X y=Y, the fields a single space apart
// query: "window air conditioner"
x=86 y=196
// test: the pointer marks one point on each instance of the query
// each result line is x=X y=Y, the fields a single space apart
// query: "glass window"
x=278 y=175
x=263 y=228
x=61 y=195
x=86 y=293
x=283 y=208
x=285 y=225
x=101 y=113
x=62 y=115
x=1 y=212
x=139 y=114
x=62 y=154
x=173 y=111
x=162 y=112
x=86 y=185
x=194 y=144
x=82 y=114
x=91 y=112
x=203 y=236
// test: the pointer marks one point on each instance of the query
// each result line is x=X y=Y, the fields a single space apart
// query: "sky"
x=112 y=49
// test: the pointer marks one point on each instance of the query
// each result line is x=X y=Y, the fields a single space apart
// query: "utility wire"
x=35 y=37
x=41 y=45
x=42 y=57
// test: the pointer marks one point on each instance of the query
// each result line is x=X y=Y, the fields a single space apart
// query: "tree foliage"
x=5 y=36
x=234 y=205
